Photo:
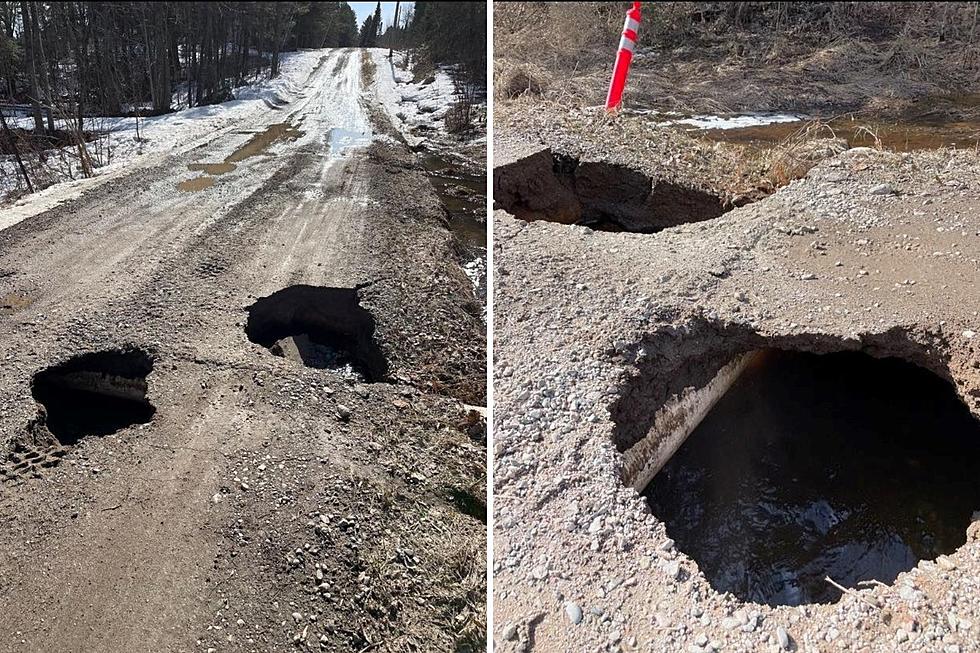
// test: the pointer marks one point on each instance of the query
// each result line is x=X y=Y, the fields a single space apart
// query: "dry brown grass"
x=879 y=49
x=796 y=155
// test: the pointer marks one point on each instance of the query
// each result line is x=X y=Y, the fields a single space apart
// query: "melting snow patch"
x=734 y=122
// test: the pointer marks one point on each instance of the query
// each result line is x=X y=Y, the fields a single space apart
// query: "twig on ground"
x=854 y=593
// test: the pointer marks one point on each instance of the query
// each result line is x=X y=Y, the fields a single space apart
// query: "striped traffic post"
x=623 y=58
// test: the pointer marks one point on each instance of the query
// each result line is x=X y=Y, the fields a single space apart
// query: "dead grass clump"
x=466 y=566
x=458 y=119
x=795 y=156
x=368 y=69
x=511 y=82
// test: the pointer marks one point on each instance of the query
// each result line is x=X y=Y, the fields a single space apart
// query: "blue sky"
x=362 y=9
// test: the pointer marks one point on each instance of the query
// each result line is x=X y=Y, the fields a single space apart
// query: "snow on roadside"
x=417 y=110
x=163 y=135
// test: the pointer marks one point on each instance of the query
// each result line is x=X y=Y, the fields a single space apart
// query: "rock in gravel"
x=882 y=189
x=783 y=638
x=510 y=632
x=574 y=612
x=343 y=412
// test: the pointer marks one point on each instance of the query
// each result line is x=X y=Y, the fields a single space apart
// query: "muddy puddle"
x=840 y=466
x=258 y=144
x=463 y=194
x=930 y=123
x=13 y=302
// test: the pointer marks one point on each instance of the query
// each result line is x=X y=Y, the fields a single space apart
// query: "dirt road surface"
x=265 y=505
x=596 y=331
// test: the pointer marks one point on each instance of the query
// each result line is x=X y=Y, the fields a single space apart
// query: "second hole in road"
x=324 y=328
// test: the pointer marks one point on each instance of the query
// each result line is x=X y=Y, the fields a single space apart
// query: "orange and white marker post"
x=623 y=58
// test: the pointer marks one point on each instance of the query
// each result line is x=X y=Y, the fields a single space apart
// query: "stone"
x=573 y=612
x=783 y=638
x=882 y=189
x=510 y=632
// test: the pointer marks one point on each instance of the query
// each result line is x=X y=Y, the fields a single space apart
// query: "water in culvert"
x=814 y=466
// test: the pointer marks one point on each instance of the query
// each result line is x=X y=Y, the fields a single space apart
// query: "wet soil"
x=838 y=465
x=195 y=184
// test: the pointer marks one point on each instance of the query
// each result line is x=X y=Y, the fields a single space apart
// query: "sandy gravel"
x=872 y=251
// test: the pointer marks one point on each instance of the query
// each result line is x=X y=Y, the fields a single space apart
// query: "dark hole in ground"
x=469 y=504
x=602 y=196
x=838 y=465
x=325 y=328
x=94 y=394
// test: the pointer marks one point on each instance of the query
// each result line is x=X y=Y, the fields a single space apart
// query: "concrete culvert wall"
x=93 y=394
x=318 y=327
x=778 y=462
x=602 y=196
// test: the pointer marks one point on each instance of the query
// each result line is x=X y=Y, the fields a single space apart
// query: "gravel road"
x=266 y=504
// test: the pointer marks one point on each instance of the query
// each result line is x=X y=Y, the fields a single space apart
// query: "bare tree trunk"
x=32 y=71
x=42 y=65
x=391 y=44
x=13 y=146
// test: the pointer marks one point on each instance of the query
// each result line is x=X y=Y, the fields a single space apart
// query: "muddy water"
x=258 y=144
x=811 y=466
x=195 y=184
x=463 y=195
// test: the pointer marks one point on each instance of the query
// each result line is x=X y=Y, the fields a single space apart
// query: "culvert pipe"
x=676 y=420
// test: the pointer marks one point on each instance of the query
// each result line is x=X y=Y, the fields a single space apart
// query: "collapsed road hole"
x=805 y=466
x=602 y=196
x=94 y=394
x=324 y=328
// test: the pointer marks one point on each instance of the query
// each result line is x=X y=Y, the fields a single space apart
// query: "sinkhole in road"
x=94 y=394
x=319 y=327
x=810 y=466
x=600 y=195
